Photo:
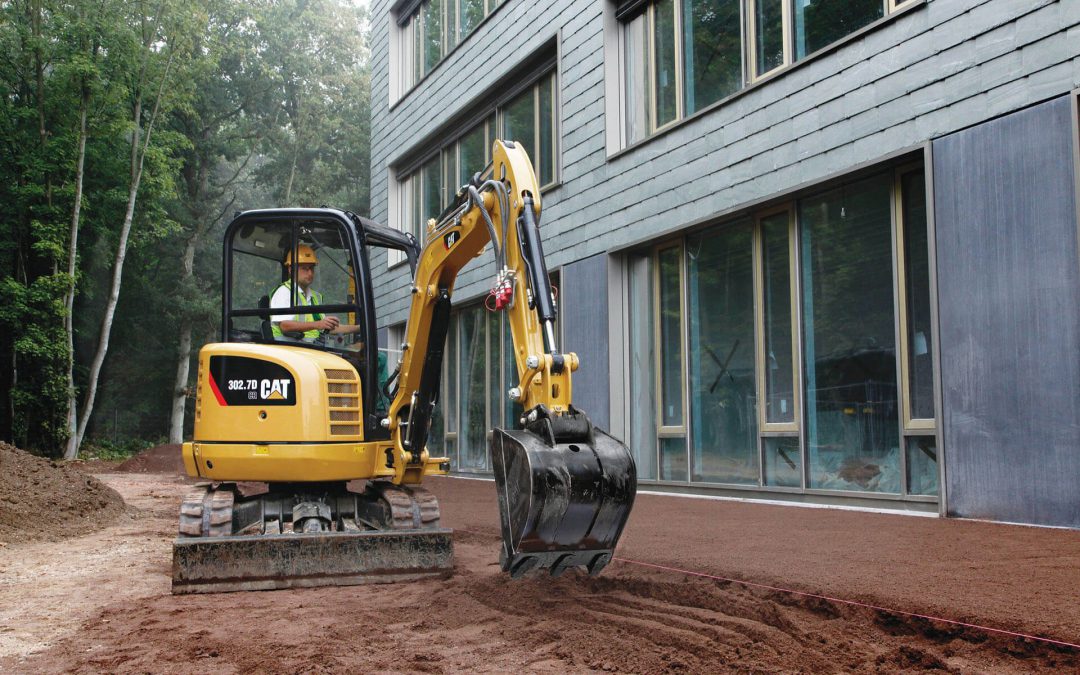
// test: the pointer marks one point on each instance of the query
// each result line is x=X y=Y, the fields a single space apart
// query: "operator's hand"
x=327 y=323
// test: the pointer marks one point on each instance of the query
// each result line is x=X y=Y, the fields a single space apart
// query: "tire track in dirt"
x=627 y=620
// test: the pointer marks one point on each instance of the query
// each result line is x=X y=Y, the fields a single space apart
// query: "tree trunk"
x=183 y=363
x=72 y=448
x=137 y=160
x=183 y=367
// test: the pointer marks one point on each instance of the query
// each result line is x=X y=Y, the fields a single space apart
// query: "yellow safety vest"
x=316 y=299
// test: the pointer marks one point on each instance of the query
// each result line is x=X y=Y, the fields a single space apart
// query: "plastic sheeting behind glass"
x=642 y=409
x=850 y=352
x=720 y=285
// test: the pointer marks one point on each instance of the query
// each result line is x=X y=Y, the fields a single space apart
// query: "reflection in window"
x=778 y=338
x=769 y=35
x=712 y=51
x=850 y=352
x=432 y=31
x=698 y=48
x=819 y=23
x=642 y=356
x=917 y=277
x=519 y=121
x=664 y=66
x=471 y=13
x=670 y=339
x=473 y=391
x=432 y=17
x=472 y=154
x=545 y=132
x=433 y=201
x=720 y=287
x=673 y=458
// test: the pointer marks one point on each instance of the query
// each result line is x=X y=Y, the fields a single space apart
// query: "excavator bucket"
x=561 y=504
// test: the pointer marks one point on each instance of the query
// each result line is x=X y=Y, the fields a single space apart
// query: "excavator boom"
x=565 y=488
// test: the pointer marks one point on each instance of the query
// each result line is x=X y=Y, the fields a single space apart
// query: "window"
x=431 y=29
x=478 y=371
x=529 y=117
x=791 y=349
x=681 y=56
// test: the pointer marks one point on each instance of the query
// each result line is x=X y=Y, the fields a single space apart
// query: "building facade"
x=808 y=250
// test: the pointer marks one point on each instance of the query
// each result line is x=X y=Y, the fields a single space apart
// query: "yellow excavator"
x=313 y=455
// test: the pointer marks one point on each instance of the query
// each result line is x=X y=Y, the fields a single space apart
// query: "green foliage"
x=282 y=86
x=103 y=448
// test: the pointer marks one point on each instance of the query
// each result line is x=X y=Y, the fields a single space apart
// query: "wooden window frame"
x=760 y=359
x=670 y=430
x=909 y=425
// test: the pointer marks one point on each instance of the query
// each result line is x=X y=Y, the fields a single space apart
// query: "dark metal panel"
x=584 y=313
x=1009 y=306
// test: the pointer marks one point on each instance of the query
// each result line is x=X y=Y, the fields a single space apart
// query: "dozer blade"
x=260 y=562
x=298 y=536
x=561 y=504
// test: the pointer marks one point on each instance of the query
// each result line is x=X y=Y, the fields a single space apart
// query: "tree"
x=159 y=45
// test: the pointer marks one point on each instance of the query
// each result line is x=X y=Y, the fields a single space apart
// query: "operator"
x=310 y=325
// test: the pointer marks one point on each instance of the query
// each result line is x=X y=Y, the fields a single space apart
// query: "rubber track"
x=206 y=512
x=411 y=508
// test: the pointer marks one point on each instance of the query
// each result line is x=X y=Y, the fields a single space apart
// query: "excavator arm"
x=565 y=487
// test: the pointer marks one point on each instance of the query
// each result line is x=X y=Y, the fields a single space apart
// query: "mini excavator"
x=312 y=455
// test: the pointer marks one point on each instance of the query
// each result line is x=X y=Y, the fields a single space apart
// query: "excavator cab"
x=258 y=275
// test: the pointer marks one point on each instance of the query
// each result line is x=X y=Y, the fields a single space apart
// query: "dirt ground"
x=101 y=601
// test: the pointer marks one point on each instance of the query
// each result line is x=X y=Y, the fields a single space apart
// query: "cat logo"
x=451 y=238
x=274 y=390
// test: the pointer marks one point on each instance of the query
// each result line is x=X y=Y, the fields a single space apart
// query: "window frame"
x=682 y=430
x=797 y=429
x=909 y=425
x=410 y=35
x=449 y=155
x=622 y=22
x=764 y=425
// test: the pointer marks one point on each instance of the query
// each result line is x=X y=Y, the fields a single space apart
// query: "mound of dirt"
x=159 y=459
x=42 y=500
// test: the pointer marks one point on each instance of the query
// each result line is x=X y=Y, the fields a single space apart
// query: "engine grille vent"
x=343 y=402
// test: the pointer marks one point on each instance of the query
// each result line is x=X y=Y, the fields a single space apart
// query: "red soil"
x=108 y=607
x=43 y=500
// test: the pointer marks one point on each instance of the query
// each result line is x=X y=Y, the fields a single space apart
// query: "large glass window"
x=528 y=118
x=768 y=31
x=642 y=357
x=720 y=290
x=681 y=56
x=777 y=335
x=819 y=23
x=478 y=371
x=767 y=347
x=472 y=390
x=849 y=336
x=433 y=30
x=712 y=51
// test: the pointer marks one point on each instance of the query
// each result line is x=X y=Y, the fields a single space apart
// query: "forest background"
x=130 y=133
